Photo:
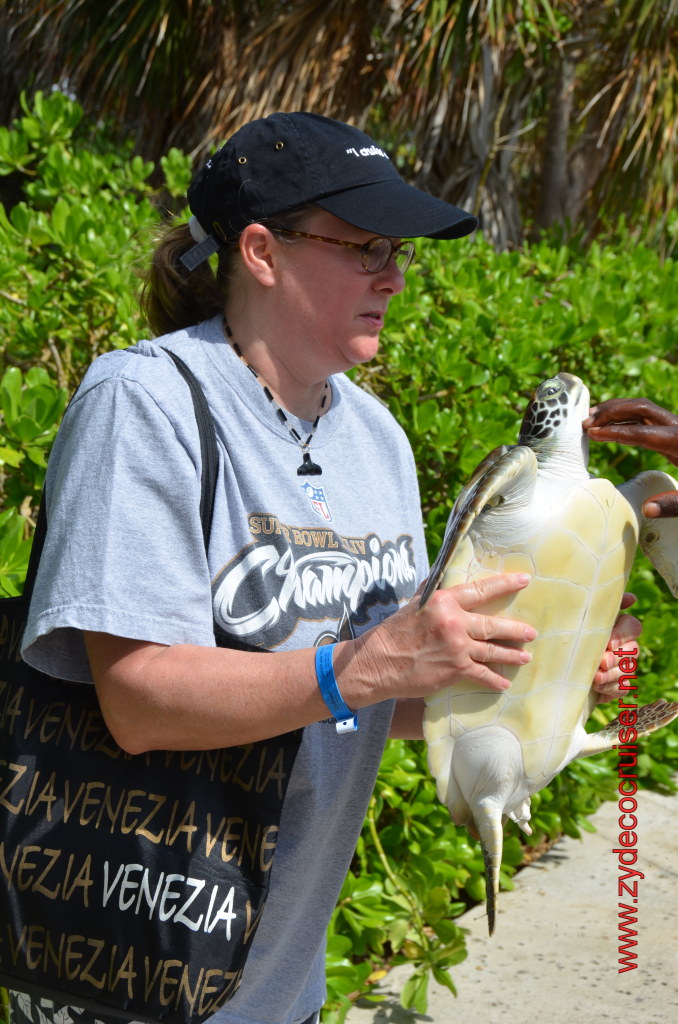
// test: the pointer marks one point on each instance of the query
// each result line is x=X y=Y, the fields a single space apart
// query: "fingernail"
x=523 y=578
x=525 y=656
x=530 y=633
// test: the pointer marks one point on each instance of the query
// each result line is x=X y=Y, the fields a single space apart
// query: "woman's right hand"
x=189 y=697
x=413 y=654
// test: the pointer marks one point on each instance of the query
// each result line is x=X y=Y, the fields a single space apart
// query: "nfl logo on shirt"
x=316 y=496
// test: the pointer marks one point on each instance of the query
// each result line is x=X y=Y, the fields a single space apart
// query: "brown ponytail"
x=171 y=297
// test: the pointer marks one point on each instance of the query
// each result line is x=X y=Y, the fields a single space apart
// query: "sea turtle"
x=532 y=507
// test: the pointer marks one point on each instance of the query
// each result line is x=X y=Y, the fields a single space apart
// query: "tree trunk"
x=553 y=198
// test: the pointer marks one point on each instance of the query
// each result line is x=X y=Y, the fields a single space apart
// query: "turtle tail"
x=487 y=817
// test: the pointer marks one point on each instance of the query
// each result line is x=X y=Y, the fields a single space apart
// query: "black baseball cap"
x=282 y=161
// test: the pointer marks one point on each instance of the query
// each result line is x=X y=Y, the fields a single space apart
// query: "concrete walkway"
x=554 y=956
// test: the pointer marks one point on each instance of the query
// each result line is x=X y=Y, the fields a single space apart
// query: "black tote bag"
x=131 y=886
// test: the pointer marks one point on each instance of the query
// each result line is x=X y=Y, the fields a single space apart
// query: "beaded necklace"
x=308 y=467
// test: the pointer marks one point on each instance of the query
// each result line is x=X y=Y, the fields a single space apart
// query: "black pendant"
x=308 y=467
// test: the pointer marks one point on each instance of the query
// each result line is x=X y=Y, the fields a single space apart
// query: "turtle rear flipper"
x=493 y=480
x=649 y=718
x=484 y=780
x=488 y=821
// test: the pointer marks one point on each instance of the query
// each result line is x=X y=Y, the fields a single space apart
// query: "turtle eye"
x=550 y=388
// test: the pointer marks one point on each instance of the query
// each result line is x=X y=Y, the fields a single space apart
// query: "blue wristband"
x=345 y=719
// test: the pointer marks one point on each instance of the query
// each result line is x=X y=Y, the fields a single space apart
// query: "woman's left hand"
x=625 y=632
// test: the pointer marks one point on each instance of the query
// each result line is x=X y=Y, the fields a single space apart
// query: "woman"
x=317 y=536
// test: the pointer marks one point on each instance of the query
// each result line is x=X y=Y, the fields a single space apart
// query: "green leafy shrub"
x=68 y=247
x=31 y=406
x=472 y=335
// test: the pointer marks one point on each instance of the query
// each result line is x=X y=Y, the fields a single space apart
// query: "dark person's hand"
x=638 y=421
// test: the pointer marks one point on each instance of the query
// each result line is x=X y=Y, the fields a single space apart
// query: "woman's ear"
x=257 y=250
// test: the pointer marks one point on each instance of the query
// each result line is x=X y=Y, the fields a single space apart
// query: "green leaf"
x=414 y=993
x=10 y=457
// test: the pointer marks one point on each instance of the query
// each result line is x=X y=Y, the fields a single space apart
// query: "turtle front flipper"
x=504 y=471
x=647 y=719
x=658 y=538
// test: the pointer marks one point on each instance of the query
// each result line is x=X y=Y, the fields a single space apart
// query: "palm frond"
x=494 y=104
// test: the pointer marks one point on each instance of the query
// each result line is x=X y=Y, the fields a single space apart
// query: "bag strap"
x=208 y=455
x=208 y=445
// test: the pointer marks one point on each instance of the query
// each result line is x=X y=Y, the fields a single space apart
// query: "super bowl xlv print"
x=290 y=574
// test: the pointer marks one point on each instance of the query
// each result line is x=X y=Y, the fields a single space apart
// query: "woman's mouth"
x=374 y=318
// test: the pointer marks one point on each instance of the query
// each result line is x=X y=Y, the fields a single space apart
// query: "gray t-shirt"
x=293 y=561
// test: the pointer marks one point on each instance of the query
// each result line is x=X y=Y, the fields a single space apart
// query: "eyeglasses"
x=374 y=253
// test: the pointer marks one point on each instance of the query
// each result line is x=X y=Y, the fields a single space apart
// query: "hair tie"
x=206 y=244
x=198 y=233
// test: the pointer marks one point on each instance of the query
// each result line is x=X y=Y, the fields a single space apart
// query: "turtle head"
x=552 y=422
